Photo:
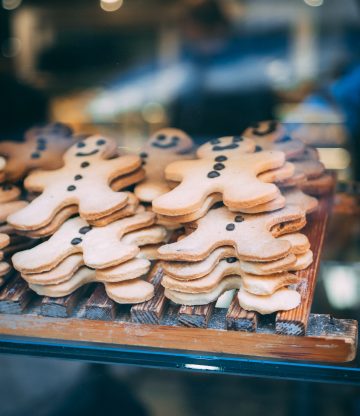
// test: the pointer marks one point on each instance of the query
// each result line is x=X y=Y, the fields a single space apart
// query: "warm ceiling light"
x=10 y=4
x=111 y=5
x=314 y=3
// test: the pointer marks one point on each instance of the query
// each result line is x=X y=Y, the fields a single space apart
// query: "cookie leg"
x=39 y=212
x=184 y=199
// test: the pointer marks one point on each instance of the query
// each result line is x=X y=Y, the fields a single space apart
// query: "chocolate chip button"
x=76 y=241
x=237 y=139
x=143 y=155
x=41 y=146
x=239 y=218
x=77 y=177
x=213 y=174
x=35 y=155
x=71 y=188
x=85 y=229
x=85 y=164
x=220 y=158
x=219 y=166
x=230 y=227
x=100 y=142
x=41 y=140
x=80 y=144
x=231 y=260
x=258 y=148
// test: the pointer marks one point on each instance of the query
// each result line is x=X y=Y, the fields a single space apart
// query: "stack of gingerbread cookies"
x=240 y=230
x=102 y=242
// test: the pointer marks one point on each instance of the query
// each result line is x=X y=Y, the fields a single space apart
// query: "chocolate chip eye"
x=175 y=139
x=258 y=148
x=239 y=218
x=231 y=260
x=230 y=227
x=85 y=164
x=220 y=158
x=76 y=241
x=71 y=188
x=143 y=154
x=215 y=141
x=85 y=229
x=100 y=142
x=35 y=155
x=80 y=144
x=237 y=139
x=161 y=137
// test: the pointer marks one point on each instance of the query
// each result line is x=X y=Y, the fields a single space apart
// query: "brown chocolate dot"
x=80 y=144
x=220 y=158
x=231 y=260
x=85 y=229
x=219 y=166
x=85 y=164
x=239 y=218
x=41 y=146
x=35 y=155
x=143 y=155
x=213 y=174
x=215 y=141
x=76 y=241
x=161 y=137
x=100 y=142
x=41 y=140
x=77 y=177
x=230 y=227
x=258 y=148
x=71 y=188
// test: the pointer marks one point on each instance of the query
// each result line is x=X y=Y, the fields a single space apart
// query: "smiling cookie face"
x=226 y=146
x=173 y=140
x=94 y=148
x=272 y=131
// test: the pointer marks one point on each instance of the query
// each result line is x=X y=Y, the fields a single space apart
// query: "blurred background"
x=128 y=67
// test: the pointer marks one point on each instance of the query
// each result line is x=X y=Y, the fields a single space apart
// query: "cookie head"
x=92 y=148
x=228 y=146
x=270 y=130
x=54 y=130
x=172 y=140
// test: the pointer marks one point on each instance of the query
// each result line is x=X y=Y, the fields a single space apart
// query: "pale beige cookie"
x=149 y=252
x=311 y=168
x=267 y=285
x=129 y=209
x=82 y=277
x=206 y=283
x=279 y=174
x=150 y=235
x=42 y=149
x=131 y=269
x=249 y=234
x=296 y=180
x=282 y=300
x=4 y=268
x=194 y=270
x=193 y=299
x=320 y=186
x=295 y=196
x=7 y=229
x=9 y=192
x=168 y=224
x=271 y=135
x=300 y=244
x=234 y=177
x=59 y=274
x=165 y=146
x=132 y=291
x=277 y=203
x=101 y=246
x=271 y=267
x=4 y=240
x=9 y=208
x=210 y=201
x=288 y=227
x=84 y=181
x=303 y=261
x=125 y=181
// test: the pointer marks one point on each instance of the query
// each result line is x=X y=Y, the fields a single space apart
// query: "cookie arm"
x=39 y=179
x=121 y=165
x=175 y=171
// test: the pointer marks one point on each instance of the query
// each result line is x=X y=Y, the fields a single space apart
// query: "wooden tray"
x=89 y=315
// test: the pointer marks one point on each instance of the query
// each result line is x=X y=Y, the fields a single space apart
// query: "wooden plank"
x=151 y=312
x=195 y=316
x=15 y=296
x=61 y=307
x=99 y=305
x=239 y=319
x=294 y=322
x=334 y=342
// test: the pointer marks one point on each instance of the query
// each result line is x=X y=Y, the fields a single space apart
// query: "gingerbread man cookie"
x=164 y=147
x=84 y=181
x=250 y=235
x=234 y=177
x=42 y=149
x=272 y=135
x=101 y=246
